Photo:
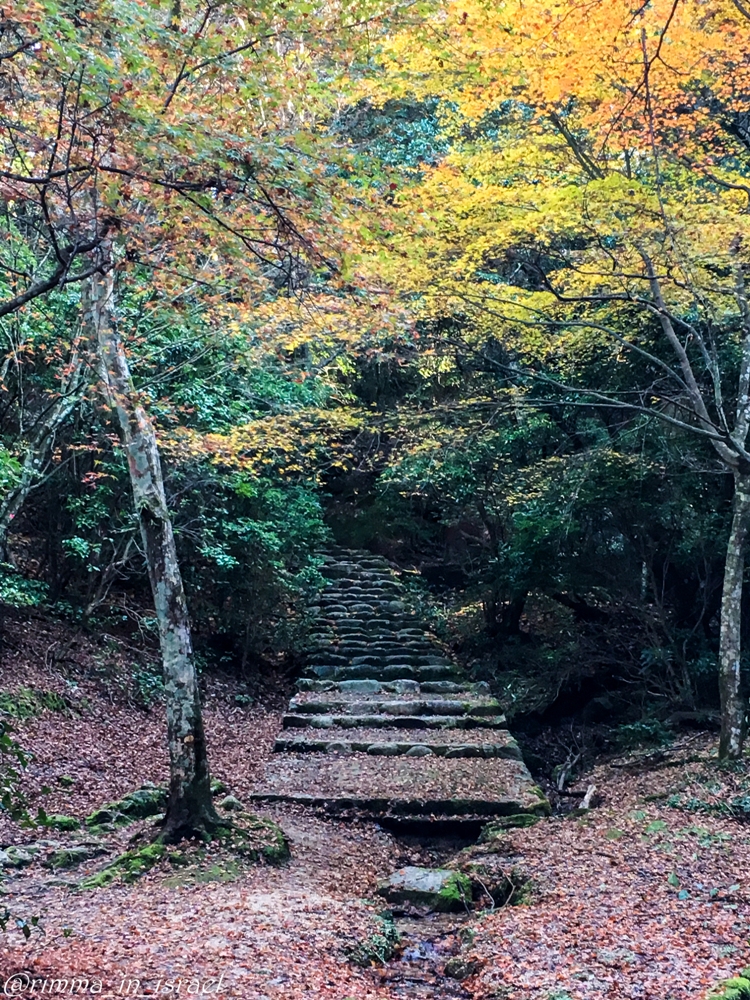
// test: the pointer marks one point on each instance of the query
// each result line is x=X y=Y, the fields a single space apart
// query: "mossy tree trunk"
x=190 y=811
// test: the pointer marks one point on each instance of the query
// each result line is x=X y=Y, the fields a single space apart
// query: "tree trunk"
x=730 y=647
x=190 y=811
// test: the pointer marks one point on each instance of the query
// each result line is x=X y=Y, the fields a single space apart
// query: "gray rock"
x=438 y=889
x=395 y=606
x=361 y=686
x=384 y=749
x=461 y=968
x=69 y=857
x=466 y=750
x=404 y=687
x=231 y=804
x=419 y=751
x=18 y=856
x=338 y=746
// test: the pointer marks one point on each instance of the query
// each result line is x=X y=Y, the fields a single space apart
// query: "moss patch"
x=455 y=894
x=543 y=808
x=148 y=800
x=127 y=867
x=60 y=822
x=26 y=702
x=69 y=857
x=733 y=989
x=257 y=839
x=247 y=841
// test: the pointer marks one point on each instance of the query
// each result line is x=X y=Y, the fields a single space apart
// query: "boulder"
x=231 y=804
x=148 y=800
x=21 y=855
x=436 y=889
x=60 y=822
x=69 y=857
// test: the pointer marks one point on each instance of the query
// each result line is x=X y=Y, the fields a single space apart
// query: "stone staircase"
x=384 y=724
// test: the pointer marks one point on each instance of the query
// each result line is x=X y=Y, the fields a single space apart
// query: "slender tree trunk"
x=190 y=811
x=730 y=648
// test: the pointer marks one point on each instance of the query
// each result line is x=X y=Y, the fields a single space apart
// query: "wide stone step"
x=352 y=649
x=392 y=672
x=451 y=743
x=370 y=686
x=305 y=720
x=407 y=703
x=383 y=786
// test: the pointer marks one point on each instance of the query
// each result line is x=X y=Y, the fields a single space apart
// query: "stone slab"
x=393 y=786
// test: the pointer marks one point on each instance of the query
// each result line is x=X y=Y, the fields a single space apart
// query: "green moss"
x=254 y=838
x=249 y=839
x=127 y=867
x=455 y=894
x=60 y=822
x=221 y=871
x=65 y=781
x=148 y=800
x=543 y=808
x=26 y=702
x=733 y=989
x=69 y=857
x=218 y=787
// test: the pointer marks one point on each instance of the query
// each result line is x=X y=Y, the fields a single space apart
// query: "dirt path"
x=270 y=933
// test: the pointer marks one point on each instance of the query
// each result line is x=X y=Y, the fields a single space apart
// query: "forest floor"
x=645 y=896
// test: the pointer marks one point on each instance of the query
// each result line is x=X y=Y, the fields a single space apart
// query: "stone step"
x=378 y=663
x=354 y=703
x=390 y=672
x=384 y=724
x=373 y=721
x=383 y=786
x=370 y=686
x=373 y=645
x=451 y=743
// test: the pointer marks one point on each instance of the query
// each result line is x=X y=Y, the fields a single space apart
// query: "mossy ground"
x=27 y=703
x=58 y=821
x=249 y=839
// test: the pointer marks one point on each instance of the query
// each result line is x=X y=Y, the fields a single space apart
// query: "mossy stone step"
x=396 y=742
x=371 y=686
x=391 y=672
x=361 y=704
x=372 y=721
